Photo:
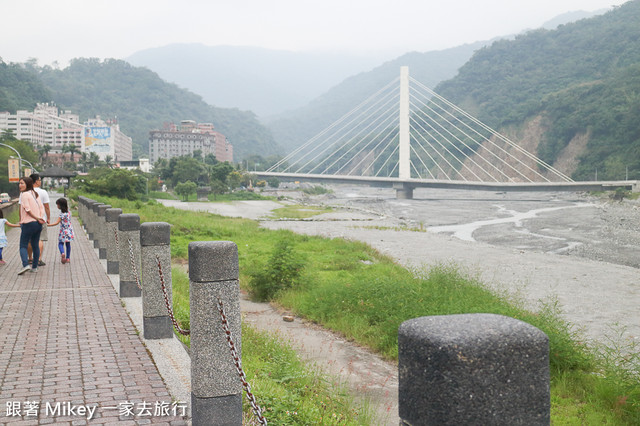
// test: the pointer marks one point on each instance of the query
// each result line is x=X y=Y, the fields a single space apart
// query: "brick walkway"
x=66 y=340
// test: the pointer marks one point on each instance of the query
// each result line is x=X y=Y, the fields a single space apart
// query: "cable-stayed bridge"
x=407 y=136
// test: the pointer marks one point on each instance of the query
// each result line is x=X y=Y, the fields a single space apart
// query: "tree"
x=44 y=151
x=273 y=182
x=221 y=171
x=72 y=148
x=188 y=169
x=218 y=188
x=94 y=159
x=184 y=189
x=234 y=178
x=119 y=183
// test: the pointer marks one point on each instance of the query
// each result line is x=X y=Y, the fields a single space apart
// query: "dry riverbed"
x=577 y=251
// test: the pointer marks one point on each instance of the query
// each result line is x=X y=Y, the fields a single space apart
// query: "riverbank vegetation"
x=354 y=290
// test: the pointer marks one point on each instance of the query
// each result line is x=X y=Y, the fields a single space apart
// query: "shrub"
x=281 y=272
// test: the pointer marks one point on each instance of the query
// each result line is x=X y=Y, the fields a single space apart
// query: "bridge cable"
x=500 y=136
x=468 y=147
x=437 y=163
x=341 y=137
x=334 y=124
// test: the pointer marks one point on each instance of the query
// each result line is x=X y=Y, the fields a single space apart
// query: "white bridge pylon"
x=408 y=131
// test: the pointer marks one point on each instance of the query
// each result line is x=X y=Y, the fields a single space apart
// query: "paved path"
x=67 y=343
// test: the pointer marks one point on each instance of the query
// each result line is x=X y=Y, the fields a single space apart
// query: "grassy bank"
x=352 y=289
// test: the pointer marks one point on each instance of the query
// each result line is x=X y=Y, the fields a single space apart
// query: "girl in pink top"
x=31 y=220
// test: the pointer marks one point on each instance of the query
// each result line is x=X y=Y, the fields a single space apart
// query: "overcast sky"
x=58 y=30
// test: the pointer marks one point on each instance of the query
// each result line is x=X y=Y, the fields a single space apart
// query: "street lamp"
x=14 y=150
x=19 y=157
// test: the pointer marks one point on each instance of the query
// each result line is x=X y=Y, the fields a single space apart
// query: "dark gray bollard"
x=474 y=369
x=129 y=254
x=91 y=220
x=101 y=231
x=216 y=390
x=81 y=207
x=154 y=247
x=95 y=224
x=111 y=219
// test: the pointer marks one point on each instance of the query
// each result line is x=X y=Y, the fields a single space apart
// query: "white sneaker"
x=24 y=269
x=34 y=270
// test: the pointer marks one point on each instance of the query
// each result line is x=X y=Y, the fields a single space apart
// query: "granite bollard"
x=91 y=205
x=473 y=369
x=154 y=249
x=81 y=207
x=95 y=223
x=216 y=390
x=129 y=254
x=101 y=231
x=111 y=219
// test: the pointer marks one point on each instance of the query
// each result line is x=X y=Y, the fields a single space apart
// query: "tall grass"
x=289 y=391
x=352 y=289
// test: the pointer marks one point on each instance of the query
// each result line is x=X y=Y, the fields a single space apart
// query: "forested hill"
x=140 y=100
x=20 y=89
x=582 y=79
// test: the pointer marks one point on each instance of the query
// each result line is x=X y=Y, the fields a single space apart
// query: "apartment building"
x=105 y=139
x=186 y=138
x=46 y=125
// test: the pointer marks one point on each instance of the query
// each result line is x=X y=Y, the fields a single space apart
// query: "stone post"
x=128 y=249
x=91 y=205
x=472 y=369
x=101 y=231
x=111 y=219
x=154 y=248
x=95 y=226
x=216 y=390
x=81 y=208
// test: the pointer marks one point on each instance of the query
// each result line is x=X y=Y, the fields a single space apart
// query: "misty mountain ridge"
x=272 y=82
x=264 y=81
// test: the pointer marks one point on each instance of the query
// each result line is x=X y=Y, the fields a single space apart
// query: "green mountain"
x=580 y=82
x=142 y=102
x=19 y=89
x=136 y=96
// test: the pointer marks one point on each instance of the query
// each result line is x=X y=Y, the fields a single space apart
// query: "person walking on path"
x=3 y=236
x=44 y=197
x=65 y=236
x=31 y=221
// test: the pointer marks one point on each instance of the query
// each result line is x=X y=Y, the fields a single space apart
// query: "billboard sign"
x=97 y=139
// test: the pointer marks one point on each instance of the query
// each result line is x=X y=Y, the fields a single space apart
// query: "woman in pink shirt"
x=31 y=220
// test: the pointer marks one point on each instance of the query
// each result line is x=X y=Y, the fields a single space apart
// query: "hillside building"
x=185 y=139
x=46 y=125
x=105 y=139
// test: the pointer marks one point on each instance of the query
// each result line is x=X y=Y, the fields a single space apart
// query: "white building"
x=105 y=138
x=44 y=126
x=47 y=126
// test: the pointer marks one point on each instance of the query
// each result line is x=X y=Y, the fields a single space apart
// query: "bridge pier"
x=404 y=191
